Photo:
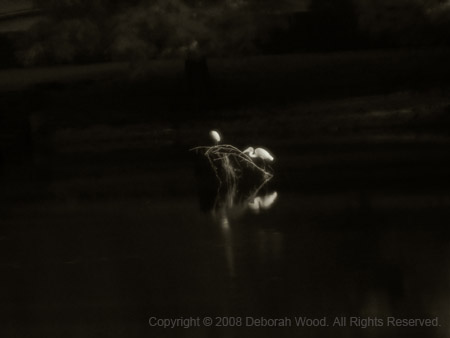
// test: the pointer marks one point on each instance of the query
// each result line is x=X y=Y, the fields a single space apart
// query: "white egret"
x=259 y=153
x=215 y=135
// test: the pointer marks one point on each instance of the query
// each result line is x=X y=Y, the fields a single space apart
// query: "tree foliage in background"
x=405 y=22
x=400 y=23
x=83 y=30
x=343 y=7
x=138 y=30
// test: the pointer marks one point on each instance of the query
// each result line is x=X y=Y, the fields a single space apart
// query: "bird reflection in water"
x=232 y=209
x=232 y=203
x=231 y=183
x=262 y=202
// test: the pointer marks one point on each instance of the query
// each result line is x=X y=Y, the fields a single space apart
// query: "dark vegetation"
x=102 y=31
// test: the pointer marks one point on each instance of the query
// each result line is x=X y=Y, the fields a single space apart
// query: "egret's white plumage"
x=215 y=135
x=259 y=153
x=263 y=154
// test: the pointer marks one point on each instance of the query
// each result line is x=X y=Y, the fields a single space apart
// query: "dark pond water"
x=94 y=242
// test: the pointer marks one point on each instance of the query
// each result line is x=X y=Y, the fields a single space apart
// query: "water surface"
x=108 y=230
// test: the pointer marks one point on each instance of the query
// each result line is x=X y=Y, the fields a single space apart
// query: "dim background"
x=107 y=220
